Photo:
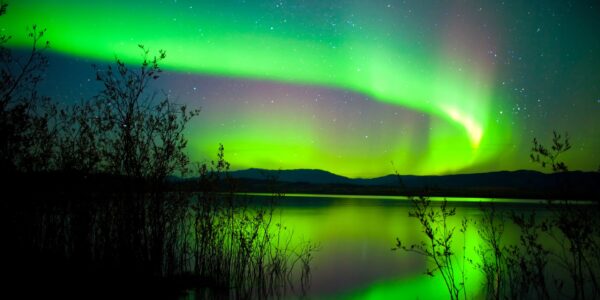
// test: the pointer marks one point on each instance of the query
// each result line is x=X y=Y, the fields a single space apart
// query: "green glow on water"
x=406 y=198
x=356 y=236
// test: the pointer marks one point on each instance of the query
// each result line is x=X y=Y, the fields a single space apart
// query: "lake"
x=356 y=234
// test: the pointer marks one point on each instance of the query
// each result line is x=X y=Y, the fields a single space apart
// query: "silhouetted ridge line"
x=505 y=184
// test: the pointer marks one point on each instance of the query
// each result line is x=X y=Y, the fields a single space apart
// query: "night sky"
x=358 y=88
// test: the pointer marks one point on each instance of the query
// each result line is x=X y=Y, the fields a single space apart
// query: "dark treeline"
x=511 y=185
x=87 y=206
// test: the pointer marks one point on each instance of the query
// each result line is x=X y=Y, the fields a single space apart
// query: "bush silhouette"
x=557 y=254
x=25 y=116
x=91 y=205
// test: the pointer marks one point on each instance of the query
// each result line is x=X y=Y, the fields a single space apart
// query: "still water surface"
x=356 y=235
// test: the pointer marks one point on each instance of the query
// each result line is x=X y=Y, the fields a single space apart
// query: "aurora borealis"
x=348 y=86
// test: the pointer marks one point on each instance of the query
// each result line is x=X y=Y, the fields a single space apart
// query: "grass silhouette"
x=89 y=204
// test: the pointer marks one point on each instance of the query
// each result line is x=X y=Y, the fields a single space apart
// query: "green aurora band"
x=453 y=86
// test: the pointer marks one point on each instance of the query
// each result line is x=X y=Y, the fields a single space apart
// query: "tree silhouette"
x=142 y=135
x=126 y=129
x=549 y=156
x=76 y=214
x=25 y=116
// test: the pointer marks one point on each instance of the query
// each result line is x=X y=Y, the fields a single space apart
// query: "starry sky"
x=358 y=88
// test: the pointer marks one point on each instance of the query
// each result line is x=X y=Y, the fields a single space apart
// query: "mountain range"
x=522 y=183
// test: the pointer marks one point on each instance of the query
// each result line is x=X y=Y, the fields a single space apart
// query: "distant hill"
x=300 y=175
x=523 y=183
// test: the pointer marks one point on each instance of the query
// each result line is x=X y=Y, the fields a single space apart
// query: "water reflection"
x=356 y=235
